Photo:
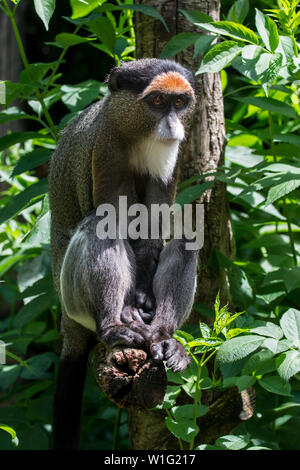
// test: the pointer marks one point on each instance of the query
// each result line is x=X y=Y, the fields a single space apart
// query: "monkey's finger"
x=146 y=316
x=142 y=329
x=123 y=336
x=129 y=314
x=181 y=365
x=170 y=347
x=179 y=361
x=157 y=351
x=144 y=301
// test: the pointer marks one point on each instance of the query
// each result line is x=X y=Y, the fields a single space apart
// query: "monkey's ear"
x=112 y=79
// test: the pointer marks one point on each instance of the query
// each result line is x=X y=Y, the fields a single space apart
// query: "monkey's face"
x=170 y=97
x=169 y=110
x=153 y=98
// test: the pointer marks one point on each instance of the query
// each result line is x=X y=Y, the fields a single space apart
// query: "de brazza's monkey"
x=125 y=145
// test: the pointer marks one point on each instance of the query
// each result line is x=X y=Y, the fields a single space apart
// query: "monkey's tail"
x=68 y=402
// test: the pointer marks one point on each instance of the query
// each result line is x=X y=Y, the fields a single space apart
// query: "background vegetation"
x=261 y=346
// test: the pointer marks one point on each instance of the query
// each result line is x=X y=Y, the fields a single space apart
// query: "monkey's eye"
x=158 y=100
x=179 y=102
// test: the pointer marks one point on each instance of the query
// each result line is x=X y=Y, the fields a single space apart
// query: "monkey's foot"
x=129 y=377
x=144 y=301
x=172 y=352
x=131 y=314
x=131 y=332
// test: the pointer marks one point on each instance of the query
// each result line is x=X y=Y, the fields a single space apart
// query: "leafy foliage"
x=261 y=172
x=257 y=54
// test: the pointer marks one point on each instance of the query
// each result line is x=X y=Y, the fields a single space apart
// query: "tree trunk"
x=203 y=152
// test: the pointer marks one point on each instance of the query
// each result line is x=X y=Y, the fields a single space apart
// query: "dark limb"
x=98 y=286
x=77 y=342
x=174 y=288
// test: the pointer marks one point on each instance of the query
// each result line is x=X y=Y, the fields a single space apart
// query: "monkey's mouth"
x=168 y=140
x=169 y=133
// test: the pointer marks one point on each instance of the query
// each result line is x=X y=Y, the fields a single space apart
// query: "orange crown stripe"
x=170 y=82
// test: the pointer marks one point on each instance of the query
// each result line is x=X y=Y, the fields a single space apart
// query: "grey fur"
x=107 y=287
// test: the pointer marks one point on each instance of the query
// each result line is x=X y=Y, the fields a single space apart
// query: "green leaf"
x=184 y=429
x=77 y=97
x=41 y=286
x=8 y=375
x=31 y=160
x=9 y=261
x=269 y=104
x=39 y=364
x=34 y=73
x=275 y=384
x=267 y=29
x=104 y=30
x=268 y=329
x=202 y=44
x=174 y=377
x=12 y=114
x=196 y=16
x=69 y=39
x=290 y=324
x=33 y=309
x=238 y=348
x=258 y=448
x=260 y=363
x=187 y=411
x=283 y=167
x=190 y=373
x=171 y=396
x=22 y=200
x=190 y=389
x=235 y=332
x=286 y=45
x=238 y=11
x=83 y=8
x=268 y=67
x=205 y=330
x=183 y=337
x=208 y=447
x=44 y=9
x=40 y=232
x=205 y=342
x=243 y=382
x=51 y=335
x=10 y=431
x=146 y=10
x=178 y=43
x=231 y=29
x=16 y=138
x=288 y=364
x=219 y=56
x=33 y=390
x=192 y=193
x=233 y=442
x=280 y=190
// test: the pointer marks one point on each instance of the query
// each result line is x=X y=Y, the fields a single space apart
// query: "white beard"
x=157 y=154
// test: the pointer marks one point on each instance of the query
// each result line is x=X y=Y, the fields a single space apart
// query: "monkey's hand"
x=145 y=301
x=130 y=331
x=164 y=348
